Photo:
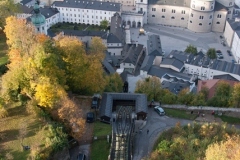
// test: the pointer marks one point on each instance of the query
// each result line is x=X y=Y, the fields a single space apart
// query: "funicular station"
x=122 y=110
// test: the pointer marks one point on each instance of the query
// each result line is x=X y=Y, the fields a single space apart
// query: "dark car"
x=95 y=101
x=219 y=51
x=159 y=110
x=81 y=156
x=90 y=117
x=229 y=52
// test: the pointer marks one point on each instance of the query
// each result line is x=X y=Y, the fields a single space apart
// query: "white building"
x=236 y=46
x=86 y=12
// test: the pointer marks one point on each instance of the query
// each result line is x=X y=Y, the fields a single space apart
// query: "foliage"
x=185 y=97
x=114 y=83
x=168 y=97
x=100 y=149
x=191 y=49
x=104 y=24
x=222 y=95
x=3 y=112
x=228 y=119
x=235 y=96
x=151 y=87
x=211 y=53
x=191 y=141
x=7 y=8
x=70 y=114
x=229 y=149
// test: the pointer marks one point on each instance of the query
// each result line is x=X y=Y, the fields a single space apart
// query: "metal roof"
x=154 y=45
x=107 y=102
x=183 y=3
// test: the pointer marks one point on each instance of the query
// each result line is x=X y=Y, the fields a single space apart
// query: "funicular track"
x=121 y=134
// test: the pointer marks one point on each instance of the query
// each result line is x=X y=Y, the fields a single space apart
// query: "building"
x=86 y=12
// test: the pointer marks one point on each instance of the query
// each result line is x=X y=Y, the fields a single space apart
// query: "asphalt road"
x=143 y=142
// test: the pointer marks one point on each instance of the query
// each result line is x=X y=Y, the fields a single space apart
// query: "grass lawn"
x=9 y=132
x=101 y=129
x=179 y=114
x=100 y=148
x=228 y=119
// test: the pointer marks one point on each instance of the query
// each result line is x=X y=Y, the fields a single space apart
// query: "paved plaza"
x=175 y=38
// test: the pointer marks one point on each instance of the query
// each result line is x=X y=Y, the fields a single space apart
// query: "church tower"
x=38 y=20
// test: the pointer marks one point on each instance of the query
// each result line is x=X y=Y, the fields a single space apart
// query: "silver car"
x=159 y=110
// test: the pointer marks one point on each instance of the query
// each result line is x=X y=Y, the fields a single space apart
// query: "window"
x=183 y=12
x=172 y=17
x=202 y=8
x=219 y=16
x=229 y=12
x=141 y=0
x=193 y=6
x=63 y=14
x=200 y=17
x=200 y=24
x=96 y=17
x=190 y=21
x=153 y=15
x=211 y=7
x=38 y=29
x=210 y=17
x=163 y=16
x=218 y=22
x=163 y=10
x=153 y=9
x=191 y=15
x=74 y=15
x=182 y=18
x=209 y=23
x=230 y=3
x=173 y=11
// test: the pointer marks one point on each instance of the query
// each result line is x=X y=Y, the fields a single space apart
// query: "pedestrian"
x=147 y=131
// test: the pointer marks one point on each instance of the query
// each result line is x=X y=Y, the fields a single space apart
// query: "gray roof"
x=107 y=102
x=219 y=7
x=48 y=12
x=23 y=2
x=182 y=3
x=160 y=72
x=108 y=64
x=225 y=77
x=224 y=66
x=131 y=53
x=116 y=27
x=147 y=63
x=181 y=56
x=238 y=33
x=86 y=4
x=78 y=33
x=175 y=86
x=25 y=9
x=111 y=38
x=173 y=62
x=154 y=45
x=235 y=25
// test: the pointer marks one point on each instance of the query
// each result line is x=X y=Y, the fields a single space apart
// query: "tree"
x=97 y=48
x=222 y=93
x=69 y=113
x=223 y=150
x=7 y=8
x=104 y=24
x=185 y=97
x=235 y=96
x=211 y=53
x=114 y=83
x=151 y=87
x=191 y=49
x=168 y=97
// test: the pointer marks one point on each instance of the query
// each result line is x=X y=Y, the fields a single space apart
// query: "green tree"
x=168 y=97
x=211 y=53
x=7 y=8
x=191 y=49
x=114 y=83
x=222 y=93
x=97 y=48
x=185 y=97
x=151 y=87
x=235 y=96
x=104 y=24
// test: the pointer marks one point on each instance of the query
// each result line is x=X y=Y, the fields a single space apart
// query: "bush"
x=3 y=112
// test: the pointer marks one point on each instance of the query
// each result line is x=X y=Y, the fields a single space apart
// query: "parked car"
x=81 y=156
x=90 y=117
x=229 y=52
x=159 y=110
x=219 y=51
x=95 y=101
